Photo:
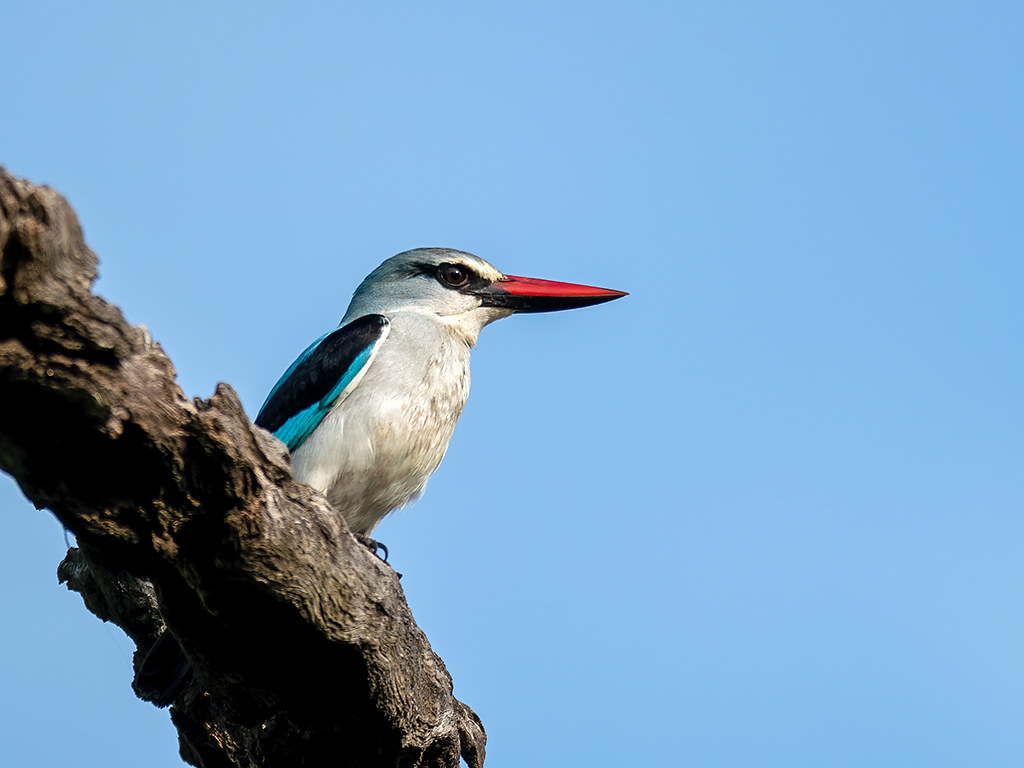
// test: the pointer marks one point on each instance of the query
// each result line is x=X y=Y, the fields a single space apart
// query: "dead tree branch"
x=300 y=639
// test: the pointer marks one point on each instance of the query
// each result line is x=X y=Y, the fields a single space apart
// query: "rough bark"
x=303 y=648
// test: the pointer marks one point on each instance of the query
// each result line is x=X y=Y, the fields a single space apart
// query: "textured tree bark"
x=303 y=648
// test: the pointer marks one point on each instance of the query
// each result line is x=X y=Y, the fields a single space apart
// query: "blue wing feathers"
x=318 y=378
x=294 y=432
x=291 y=369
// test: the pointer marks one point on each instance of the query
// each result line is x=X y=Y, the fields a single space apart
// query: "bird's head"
x=462 y=291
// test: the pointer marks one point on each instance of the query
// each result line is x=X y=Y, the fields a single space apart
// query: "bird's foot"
x=376 y=547
x=373 y=545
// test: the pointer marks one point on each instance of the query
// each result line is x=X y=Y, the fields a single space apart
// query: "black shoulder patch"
x=320 y=369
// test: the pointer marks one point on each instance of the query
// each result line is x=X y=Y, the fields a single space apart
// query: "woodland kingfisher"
x=368 y=409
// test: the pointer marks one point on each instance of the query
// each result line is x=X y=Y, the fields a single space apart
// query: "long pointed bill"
x=528 y=294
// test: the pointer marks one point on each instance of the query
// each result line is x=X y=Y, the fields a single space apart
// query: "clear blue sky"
x=766 y=511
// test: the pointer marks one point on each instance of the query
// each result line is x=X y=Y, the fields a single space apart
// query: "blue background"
x=766 y=511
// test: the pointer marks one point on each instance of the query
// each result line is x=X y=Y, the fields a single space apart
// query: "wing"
x=320 y=378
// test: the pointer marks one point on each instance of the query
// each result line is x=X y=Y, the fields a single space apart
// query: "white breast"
x=375 y=452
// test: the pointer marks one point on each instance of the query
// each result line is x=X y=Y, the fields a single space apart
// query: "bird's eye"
x=453 y=275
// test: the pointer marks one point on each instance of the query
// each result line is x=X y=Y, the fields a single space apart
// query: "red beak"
x=528 y=294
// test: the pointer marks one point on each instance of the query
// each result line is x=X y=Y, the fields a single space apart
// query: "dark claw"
x=373 y=545
x=376 y=547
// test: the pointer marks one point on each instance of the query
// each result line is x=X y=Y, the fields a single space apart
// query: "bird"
x=367 y=410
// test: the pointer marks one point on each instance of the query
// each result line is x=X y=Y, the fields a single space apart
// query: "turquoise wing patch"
x=320 y=378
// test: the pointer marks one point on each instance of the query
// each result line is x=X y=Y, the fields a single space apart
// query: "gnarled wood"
x=303 y=648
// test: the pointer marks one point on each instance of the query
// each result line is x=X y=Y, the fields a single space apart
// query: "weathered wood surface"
x=303 y=647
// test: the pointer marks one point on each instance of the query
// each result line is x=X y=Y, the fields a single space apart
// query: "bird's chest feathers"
x=377 y=448
x=418 y=411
